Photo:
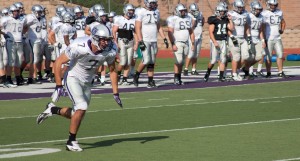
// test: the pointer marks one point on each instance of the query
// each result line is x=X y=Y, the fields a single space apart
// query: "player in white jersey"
x=146 y=27
x=79 y=21
x=180 y=31
x=198 y=22
x=123 y=32
x=13 y=27
x=257 y=35
x=33 y=26
x=67 y=30
x=86 y=54
x=238 y=45
x=275 y=26
x=3 y=53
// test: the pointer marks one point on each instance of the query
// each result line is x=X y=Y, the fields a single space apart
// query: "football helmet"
x=20 y=6
x=194 y=9
x=98 y=33
x=99 y=15
x=13 y=8
x=5 y=11
x=272 y=2
x=37 y=10
x=224 y=4
x=151 y=4
x=111 y=14
x=254 y=6
x=98 y=7
x=219 y=9
x=180 y=7
x=91 y=12
x=68 y=18
x=126 y=10
x=239 y=6
x=78 y=11
x=59 y=10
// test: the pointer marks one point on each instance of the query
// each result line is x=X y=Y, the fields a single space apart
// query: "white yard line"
x=270 y=102
x=158 y=99
x=153 y=132
x=193 y=100
x=291 y=159
x=170 y=105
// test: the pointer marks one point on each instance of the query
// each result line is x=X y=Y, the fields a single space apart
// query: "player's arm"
x=51 y=37
x=192 y=37
x=282 y=26
x=172 y=38
x=62 y=59
x=261 y=35
x=114 y=32
x=211 y=29
x=230 y=25
x=136 y=41
x=138 y=30
x=87 y=30
x=113 y=77
x=67 y=39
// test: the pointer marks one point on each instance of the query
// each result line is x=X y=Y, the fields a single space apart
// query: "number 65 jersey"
x=272 y=21
x=181 y=27
x=84 y=62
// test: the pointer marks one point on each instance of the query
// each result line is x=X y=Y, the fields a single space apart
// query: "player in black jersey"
x=219 y=24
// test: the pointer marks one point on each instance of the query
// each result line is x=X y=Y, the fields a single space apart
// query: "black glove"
x=281 y=31
x=166 y=42
x=142 y=45
x=249 y=40
x=6 y=36
x=59 y=45
x=118 y=100
x=234 y=40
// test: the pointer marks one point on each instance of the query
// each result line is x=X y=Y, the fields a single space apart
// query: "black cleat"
x=282 y=75
x=206 y=77
x=135 y=80
x=195 y=73
x=185 y=72
x=151 y=84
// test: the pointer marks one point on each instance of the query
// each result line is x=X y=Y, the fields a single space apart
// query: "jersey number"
x=182 y=25
x=80 y=25
x=19 y=29
x=255 y=24
x=241 y=21
x=150 y=18
x=221 y=29
x=38 y=28
x=93 y=64
x=274 y=18
x=131 y=26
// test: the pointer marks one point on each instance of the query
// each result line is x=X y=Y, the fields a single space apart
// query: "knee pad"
x=150 y=66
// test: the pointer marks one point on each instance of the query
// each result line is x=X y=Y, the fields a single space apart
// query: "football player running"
x=179 y=31
x=197 y=24
x=146 y=27
x=219 y=25
x=257 y=35
x=86 y=54
x=123 y=32
x=238 y=45
x=275 y=26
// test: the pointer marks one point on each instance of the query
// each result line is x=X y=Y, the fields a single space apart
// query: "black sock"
x=137 y=73
x=150 y=79
x=8 y=78
x=221 y=74
x=47 y=71
x=176 y=76
x=208 y=70
x=3 y=78
x=246 y=72
x=39 y=74
x=55 y=110
x=119 y=73
x=125 y=79
x=72 y=137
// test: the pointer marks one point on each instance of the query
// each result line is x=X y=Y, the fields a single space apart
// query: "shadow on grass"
x=104 y=143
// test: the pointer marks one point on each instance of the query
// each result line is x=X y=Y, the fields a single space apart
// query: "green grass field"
x=258 y=122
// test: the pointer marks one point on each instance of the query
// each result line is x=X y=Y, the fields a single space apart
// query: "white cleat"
x=9 y=85
x=237 y=78
x=47 y=113
x=74 y=146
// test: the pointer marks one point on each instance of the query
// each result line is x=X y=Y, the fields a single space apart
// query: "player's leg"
x=269 y=50
x=150 y=66
x=198 y=44
x=278 y=47
x=179 y=59
x=236 y=59
x=213 y=59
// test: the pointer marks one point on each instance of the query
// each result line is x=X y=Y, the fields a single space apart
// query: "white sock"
x=251 y=70
x=279 y=72
x=102 y=79
x=218 y=70
x=193 y=69
x=259 y=67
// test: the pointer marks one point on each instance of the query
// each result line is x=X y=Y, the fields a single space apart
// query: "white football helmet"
x=272 y=2
x=59 y=10
x=37 y=10
x=254 y=6
x=239 y=6
x=194 y=9
x=219 y=9
x=91 y=11
x=180 y=7
x=99 y=14
x=20 y=6
x=78 y=11
x=126 y=10
x=151 y=4
x=98 y=33
x=13 y=8
x=224 y=4
x=111 y=14
x=5 y=11
x=98 y=7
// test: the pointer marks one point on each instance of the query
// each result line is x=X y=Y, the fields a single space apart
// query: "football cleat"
x=44 y=115
x=135 y=80
x=260 y=73
x=282 y=75
x=222 y=79
x=73 y=146
x=237 y=78
x=185 y=72
x=206 y=77
x=178 y=82
x=195 y=73
x=33 y=81
x=268 y=75
x=124 y=83
x=8 y=84
x=151 y=84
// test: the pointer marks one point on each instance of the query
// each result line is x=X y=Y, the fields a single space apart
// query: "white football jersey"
x=54 y=20
x=255 y=25
x=197 y=25
x=83 y=62
x=93 y=24
x=58 y=35
x=12 y=27
x=126 y=26
x=44 y=29
x=35 y=27
x=80 y=26
x=239 y=21
x=149 y=20
x=68 y=29
x=273 y=21
x=181 y=27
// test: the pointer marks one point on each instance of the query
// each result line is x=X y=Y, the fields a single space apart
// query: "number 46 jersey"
x=220 y=31
x=84 y=62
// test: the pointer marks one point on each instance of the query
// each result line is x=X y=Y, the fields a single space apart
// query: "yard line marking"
x=158 y=99
x=193 y=100
x=151 y=132
x=170 y=105
x=270 y=102
x=97 y=97
x=288 y=159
